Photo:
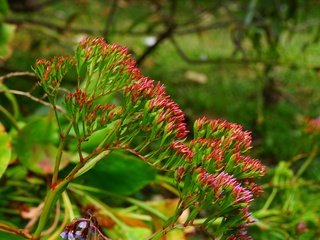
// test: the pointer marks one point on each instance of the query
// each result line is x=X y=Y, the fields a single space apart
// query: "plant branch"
x=16 y=74
x=16 y=231
x=110 y=18
x=30 y=96
x=308 y=161
x=164 y=35
x=59 y=154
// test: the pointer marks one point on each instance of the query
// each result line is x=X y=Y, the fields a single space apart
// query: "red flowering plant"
x=212 y=172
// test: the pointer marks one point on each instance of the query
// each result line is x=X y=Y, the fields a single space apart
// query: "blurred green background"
x=253 y=62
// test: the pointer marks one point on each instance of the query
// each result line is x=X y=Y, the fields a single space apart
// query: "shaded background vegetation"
x=254 y=62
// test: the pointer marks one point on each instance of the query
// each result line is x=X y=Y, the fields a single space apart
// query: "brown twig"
x=16 y=231
x=28 y=95
x=169 y=22
x=110 y=20
x=150 y=49
x=16 y=74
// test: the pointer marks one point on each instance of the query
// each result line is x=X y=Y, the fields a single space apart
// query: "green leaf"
x=135 y=233
x=120 y=173
x=40 y=130
x=35 y=146
x=4 y=6
x=99 y=136
x=5 y=150
x=6 y=35
x=5 y=235
x=128 y=233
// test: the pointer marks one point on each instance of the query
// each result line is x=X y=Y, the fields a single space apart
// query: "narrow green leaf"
x=5 y=150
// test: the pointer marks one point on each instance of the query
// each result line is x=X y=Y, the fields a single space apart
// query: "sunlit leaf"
x=6 y=35
x=5 y=150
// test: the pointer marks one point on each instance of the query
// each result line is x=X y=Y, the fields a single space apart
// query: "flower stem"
x=308 y=161
x=9 y=117
x=54 y=193
x=52 y=196
x=59 y=155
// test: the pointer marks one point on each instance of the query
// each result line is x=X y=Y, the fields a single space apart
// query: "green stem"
x=306 y=163
x=59 y=155
x=54 y=193
x=68 y=205
x=51 y=198
x=53 y=103
x=66 y=217
x=159 y=234
x=9 y=117
x=270 y=199
x=14 y=104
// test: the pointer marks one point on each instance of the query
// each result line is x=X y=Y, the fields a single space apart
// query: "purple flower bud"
x=82 y=224
x=64 y=234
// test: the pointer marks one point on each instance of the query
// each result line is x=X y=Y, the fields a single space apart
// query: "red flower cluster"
x=154 y=98
x=52 y=71
x=215 y=160
x=235 y=136
x=182 y=150
x=92 y=46
x=222 y=181
x=79 y=99
x=313 y=125
x=209 y=153
x=144 y=88
x=105 y=113
x=211 y=166
x=109 y=67
x=249 y=164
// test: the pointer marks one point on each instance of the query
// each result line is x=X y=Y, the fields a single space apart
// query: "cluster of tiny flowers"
x=182 y=150
x=79 y=99
x=82 y=229
x=235 y=137
x=103 y=113
x=52 y=71
x=146 y=94
x=210 y=169
x=221 y=174
x=219 y=182
x=119 y=70
x=240 y=236
x=249 y=165
x=97 y=46
x=113 y=63
x=209 y=153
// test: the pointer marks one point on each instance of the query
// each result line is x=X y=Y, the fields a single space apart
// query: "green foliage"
x=4 y=235
x=35 y=145
x=119 y=173
x=211 y=172
x=5 y=148
x=252 y=62
x=6 y=31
